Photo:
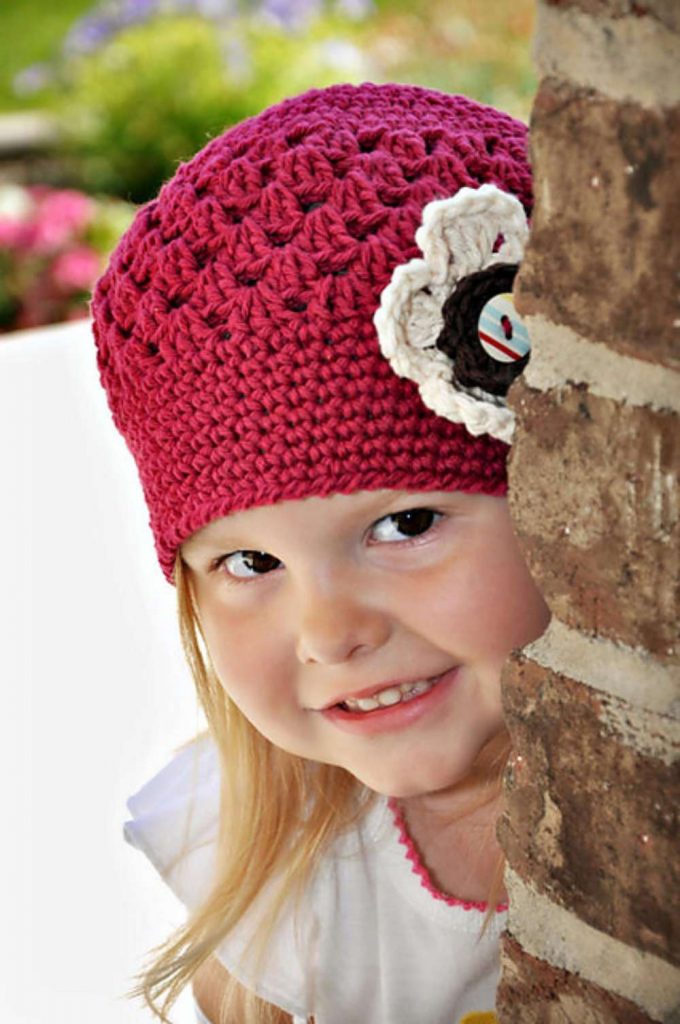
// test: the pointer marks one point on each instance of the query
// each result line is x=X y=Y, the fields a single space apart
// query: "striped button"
x=501 y=330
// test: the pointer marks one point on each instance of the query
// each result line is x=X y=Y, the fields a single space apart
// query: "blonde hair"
x=295 y=808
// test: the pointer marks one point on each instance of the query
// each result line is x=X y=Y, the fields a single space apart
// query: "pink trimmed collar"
x=422 y=873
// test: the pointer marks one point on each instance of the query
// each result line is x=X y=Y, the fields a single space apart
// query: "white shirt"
x=372 y=940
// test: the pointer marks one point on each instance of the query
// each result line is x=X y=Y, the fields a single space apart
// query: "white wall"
x=94 y=693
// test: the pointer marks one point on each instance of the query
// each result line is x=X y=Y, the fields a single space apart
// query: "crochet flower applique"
x=447 y=320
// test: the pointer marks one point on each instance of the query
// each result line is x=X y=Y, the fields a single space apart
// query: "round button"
x=483 y=335
x=501 y=330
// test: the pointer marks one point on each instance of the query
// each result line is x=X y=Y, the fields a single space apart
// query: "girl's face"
x=369 y=630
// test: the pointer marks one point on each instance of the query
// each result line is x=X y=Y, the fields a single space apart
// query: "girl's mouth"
x=394 y=707
x=388 y=697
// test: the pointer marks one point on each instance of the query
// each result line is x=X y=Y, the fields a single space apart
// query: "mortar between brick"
x=664 y=11
x=629 y=59
x=615 y=669
x=560 y=355
x=547 y=931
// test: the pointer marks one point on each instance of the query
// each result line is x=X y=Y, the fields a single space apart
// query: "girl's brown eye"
x=246 y=564
x=400 y=525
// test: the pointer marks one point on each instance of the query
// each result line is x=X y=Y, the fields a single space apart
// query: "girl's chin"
x=417 y=777
x=401 y=788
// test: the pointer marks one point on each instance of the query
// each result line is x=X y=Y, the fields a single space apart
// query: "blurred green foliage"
x=155 y=93
x=480 y=49
x=30 y=33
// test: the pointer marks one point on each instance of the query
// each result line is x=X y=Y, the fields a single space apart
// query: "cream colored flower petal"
x=457 y=238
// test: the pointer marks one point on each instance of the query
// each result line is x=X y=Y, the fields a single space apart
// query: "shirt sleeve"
x=175 y=823
x=175 y=820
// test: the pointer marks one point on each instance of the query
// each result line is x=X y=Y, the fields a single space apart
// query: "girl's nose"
x=335 y=628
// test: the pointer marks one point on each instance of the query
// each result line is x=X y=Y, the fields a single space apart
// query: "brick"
x=590 y=821
x=595 y=504
x=665 y=11
x=604 y=244
x=533 y=992
x=586 y=50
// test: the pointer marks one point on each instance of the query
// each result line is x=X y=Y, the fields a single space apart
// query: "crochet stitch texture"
x=234 y=323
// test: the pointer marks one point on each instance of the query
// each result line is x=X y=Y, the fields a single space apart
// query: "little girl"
x=306 y=341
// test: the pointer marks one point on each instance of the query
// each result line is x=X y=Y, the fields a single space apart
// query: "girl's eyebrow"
x=225 y=531
x=222 y=540
x=206 y=540
x=202 y=542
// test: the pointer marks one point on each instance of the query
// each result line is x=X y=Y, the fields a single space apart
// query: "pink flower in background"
x=76 y=269
x=78 y=312
x=59 y=217
x=53 y=243
x=13 y=233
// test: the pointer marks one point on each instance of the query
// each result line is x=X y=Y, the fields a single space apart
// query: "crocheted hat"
x=235 y=322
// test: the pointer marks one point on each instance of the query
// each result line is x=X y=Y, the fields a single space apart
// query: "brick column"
x=591 y=831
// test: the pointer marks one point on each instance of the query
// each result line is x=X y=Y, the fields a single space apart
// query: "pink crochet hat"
x=235 y=322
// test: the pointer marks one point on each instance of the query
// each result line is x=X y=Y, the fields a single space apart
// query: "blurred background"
x=98 y=104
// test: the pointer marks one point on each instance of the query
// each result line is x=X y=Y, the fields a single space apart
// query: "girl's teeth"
x=392 y=695
x=419 y=688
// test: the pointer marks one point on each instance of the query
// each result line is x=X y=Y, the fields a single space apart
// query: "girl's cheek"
x=481 y=600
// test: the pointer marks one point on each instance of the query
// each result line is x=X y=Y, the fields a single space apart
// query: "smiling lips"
x=395 y=693
x=374 y=711
x=392 y=695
